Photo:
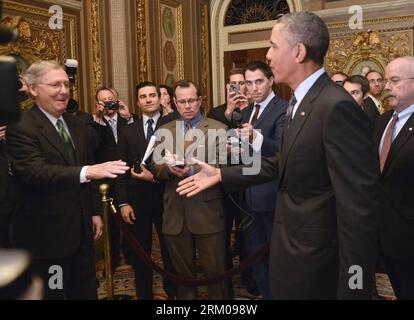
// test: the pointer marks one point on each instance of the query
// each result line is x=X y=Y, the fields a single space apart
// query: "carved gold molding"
x=205 y=57
x=377 y=21
x=143 y=42
x=94 y=44
x=37 y=41
x=378 y=47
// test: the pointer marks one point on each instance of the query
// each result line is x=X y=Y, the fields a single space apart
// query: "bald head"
x=406 y=64
x=400 y=84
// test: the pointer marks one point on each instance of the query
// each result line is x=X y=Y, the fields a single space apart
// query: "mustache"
x=389 y=95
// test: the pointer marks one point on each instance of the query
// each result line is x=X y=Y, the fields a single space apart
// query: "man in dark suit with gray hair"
x=53 y=220
x=324 y=237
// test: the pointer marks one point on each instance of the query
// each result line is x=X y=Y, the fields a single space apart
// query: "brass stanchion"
x=108 y=205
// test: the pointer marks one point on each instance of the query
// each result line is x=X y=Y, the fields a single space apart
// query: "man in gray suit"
x=324 y=237
x=196 y=223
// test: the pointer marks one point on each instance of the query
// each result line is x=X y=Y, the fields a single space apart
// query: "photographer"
x=236 y=99
x=108 y=122
x=123 y=110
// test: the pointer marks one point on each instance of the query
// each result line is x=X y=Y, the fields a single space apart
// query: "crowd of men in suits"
x=332 y=194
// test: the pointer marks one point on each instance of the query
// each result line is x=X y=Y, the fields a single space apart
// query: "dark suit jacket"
x=202 y=213
x=107 y=144
x=324 y=220
x=270 y=123
x=396 y=208
x=371 y=110
x=217 y=113
x=132 y=145
x=4 y=171
x=54 y=205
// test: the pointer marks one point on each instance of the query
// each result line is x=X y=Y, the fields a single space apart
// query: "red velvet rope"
x=189 y=282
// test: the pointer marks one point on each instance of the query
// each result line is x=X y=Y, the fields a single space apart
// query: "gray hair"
x=310 y=30
x=34 y=74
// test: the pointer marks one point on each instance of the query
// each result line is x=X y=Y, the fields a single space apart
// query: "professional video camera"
x=71 y=66
x=9 y=82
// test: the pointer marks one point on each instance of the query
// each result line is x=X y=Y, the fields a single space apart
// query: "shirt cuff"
x=257 y=142
x=83 y=175
x=123 y=205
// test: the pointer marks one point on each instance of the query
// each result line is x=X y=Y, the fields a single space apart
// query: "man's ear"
x=32 y=90
x=301 y=52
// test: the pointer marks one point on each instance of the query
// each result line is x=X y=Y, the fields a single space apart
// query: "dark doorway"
x=239 y=58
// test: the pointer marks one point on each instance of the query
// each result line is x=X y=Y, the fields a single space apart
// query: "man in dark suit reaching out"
x=324 y=236
x=48 y=151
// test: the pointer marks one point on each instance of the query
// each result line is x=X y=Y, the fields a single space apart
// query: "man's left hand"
x=3 y=132
x=123 y=110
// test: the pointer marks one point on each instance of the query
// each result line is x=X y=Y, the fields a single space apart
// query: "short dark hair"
x=259 y=65
x=382 y=76
x=235 y=71
x=102 y=88
x=144 y=84
x=361 y=80
x=186 y=84
x=339 y=72
x=310 y=30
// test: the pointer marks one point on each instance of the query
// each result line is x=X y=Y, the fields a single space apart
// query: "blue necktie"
x=150 y=130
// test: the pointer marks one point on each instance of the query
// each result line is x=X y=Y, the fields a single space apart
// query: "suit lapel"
x=302 y=114
x=401 y=139
x=246 y=113
x=75 y=132
x=50 y=133
x=381 y=125
x=268 y=109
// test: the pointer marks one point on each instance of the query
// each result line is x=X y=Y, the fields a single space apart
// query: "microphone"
x=8 y=35
x=71 y=68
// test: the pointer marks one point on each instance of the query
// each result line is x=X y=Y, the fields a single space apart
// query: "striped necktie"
x=66 y=140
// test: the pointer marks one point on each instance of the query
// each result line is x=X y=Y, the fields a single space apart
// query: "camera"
x=111 y=105
x=234 y=87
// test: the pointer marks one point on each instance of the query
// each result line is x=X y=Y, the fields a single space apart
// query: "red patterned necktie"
x=386 y=145
x=255 y=115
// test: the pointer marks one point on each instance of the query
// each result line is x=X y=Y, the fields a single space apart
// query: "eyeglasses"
x=257 y=82
x=189 y=101
x=394 y=81
x=375 y=81
x=57 y=85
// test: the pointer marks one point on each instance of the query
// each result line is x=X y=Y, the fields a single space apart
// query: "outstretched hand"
x=110 y=169
x=207 y=177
